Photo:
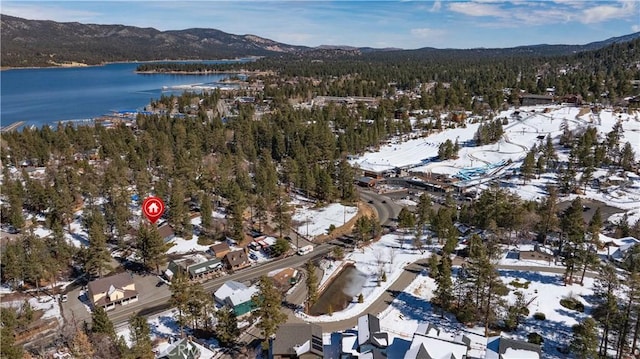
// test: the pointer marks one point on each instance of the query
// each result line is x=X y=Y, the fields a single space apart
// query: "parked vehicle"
x=306 y=249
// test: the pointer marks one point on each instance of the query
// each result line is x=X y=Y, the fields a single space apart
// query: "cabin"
x=195 y=266
x=297 y=340
x=220 y=249
x=110 y=291
x=236 y=260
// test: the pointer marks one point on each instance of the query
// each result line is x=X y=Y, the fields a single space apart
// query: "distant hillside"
x=46 y=43
x=49 y=43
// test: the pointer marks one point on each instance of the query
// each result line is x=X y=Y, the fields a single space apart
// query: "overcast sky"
x=403 y=24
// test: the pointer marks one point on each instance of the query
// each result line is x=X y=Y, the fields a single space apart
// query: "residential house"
x=297 y=340
x=181 y=349
x=109 y=291
x=220 y=249
x=236 y=296
x=538 y=253
x=427 y=343
x=285 y=278
x=236 y=260
x=166 y=233
x=196 y=266
x=367 y=181
x=505 y=348
x=349 y=345
x=370 y=336
x=616 y=249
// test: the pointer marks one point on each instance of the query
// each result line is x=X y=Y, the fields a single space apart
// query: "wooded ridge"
x=40 y=43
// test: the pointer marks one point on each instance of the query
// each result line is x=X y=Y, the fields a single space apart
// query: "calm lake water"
x=48 y=95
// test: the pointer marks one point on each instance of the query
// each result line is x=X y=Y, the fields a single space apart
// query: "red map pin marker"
x=153 y=208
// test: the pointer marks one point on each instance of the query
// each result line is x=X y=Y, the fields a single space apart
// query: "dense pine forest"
x=458 y=76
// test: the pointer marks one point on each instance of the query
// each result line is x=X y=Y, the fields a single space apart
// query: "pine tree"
x=150 y=247
x=98 y=256
x=312 y=285
x=8 y=347
x=627 y=157
x=178 y=209
x=141 y=348
x=443 y=295
x=206 y=211
x=528 y=166
x=227 y=331
x=180 y=297
x=606 y=309
x=548 y=212
x=584 y=344
x=423 y=210
x=573 y=229
x=81 y=346
x=282 y=214
x=269 y=303
x=434 y=266
x=101 y=324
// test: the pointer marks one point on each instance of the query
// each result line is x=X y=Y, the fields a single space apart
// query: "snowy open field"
x=316 y=221
x=520 y=135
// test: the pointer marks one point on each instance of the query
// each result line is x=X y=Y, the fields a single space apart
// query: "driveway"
x=76 y=308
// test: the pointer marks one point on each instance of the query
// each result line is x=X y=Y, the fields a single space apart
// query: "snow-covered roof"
x=505 y=348
x=511 y=353
x=227 y=289
x=349 y=343
x=367 y=325
x=436 y=348
x=242 y=296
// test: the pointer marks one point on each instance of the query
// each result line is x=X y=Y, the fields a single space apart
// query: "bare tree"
x=391 y=253
x=380 y=262
x=417 y=240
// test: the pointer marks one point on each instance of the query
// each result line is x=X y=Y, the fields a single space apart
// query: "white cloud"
x=437 y=5
x=578 y=4
x=477 y=9
x=37 y=12
x=427 y=33
x=609 y=12
x=635 y=28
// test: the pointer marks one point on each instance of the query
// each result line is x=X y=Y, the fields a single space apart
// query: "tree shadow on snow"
x=548 y=278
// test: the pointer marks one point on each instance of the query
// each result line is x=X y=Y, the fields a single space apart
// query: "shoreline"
x=73 y=65
x=206 y=72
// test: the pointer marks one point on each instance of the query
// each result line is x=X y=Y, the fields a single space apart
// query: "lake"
x=48 y=95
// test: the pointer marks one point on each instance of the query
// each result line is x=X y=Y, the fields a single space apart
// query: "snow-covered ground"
x=511 y=257
x=385 y=254
x=519 y=136
x=49 y=305
x=316 y=221
x=182 y=245
x=78 y=236
x=164 y=326
x=413 y=306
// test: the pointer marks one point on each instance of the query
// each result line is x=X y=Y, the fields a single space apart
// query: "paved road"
x=409 y=274
x=159 y=301
x=386 y=209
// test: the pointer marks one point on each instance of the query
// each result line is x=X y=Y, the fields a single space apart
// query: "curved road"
x=409 y=274
x=384 y=206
